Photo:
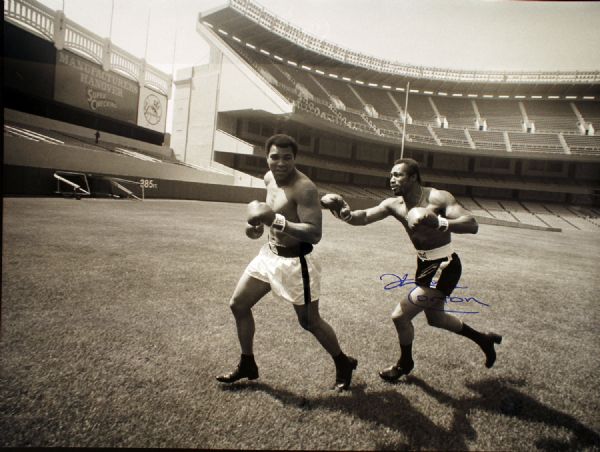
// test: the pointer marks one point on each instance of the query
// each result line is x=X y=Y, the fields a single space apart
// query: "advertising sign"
x=152 y=110
x=83 y=84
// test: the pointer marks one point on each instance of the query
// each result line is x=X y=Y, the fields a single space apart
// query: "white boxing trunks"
x=295 y=279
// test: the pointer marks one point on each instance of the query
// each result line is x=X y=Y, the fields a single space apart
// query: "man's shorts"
x=294 y=279
x=451 y=269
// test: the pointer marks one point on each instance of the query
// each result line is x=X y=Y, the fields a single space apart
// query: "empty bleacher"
x=349 y=191
x=419 y=134
x=547 y=216
x=30 y=134
x=590 y=112
x=380 y=100
x=488 y=140
x=583 y=144
x=419 y=107
x=589 y=214
x=572 y=218
x=458 y=111
x=535 y=142
x=470 y=204
x=557 y=116
x=500 y=114
x=342 y=91
x=521 y=213
x=496 y=209
x=452 y=137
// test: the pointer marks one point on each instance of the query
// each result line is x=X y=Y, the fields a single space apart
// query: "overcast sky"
x=456 y=34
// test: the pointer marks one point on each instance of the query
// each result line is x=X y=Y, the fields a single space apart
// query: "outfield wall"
x=35 y=181
x=25 y=153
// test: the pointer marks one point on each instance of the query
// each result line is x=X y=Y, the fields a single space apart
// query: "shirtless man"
x=284 y=264
x=429 y=217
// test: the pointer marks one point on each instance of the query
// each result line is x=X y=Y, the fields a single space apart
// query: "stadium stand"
x=472 y=205
x=535 y=142
x=500 y=115
x=453 y=137
x=590 y=112
x=381 y=101
x=547 y=216
x=553 y=117
x=459 y=112
x=573 y=219
x=583 y=145
x=495 y=209
x=346 y=110
x=521 y=213
x=491 y=140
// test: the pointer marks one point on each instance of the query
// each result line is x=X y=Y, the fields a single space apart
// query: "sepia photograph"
x=300 y=225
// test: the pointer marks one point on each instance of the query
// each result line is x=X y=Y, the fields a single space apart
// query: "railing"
x=78 y=38
x=155 y=79
x=33 y=14
x=296 y=35
x=55 y=27
x=125 y=63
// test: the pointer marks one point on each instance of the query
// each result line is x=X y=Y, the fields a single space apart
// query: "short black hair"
x=412 y=165
x=282 y=141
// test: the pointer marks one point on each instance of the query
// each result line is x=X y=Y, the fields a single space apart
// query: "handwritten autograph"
x=404 y=280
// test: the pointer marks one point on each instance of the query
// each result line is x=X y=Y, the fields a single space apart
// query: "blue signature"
x=404 y=280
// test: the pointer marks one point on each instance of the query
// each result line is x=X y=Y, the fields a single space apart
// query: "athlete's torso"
x=282 y=199
x=425 y=239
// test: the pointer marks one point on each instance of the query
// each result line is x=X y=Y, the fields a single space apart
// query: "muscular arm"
x=371 y=215
x=308 y=212
x=460 y=220
x=309 y=229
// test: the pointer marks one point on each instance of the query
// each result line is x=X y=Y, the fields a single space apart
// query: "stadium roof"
x=252 y=25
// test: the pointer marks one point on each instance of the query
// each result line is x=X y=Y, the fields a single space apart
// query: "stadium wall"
x=29 y=181
x=34 y=82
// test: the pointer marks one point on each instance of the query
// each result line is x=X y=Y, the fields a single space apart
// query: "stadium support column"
x=181 y=111
x=59 y=30
x=106 y=64
x=404 y=119
x=204 y=95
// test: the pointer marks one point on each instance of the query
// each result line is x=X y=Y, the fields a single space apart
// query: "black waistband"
x=302 y=249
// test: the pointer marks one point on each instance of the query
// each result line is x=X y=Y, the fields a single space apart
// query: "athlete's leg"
x=310 y=319
x=247 y=293
x=485 y=341
x=402 y=316
x=434 y=300
x=437 y=317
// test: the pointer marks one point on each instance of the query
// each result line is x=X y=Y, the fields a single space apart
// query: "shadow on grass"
x=393 y=410
x=503 y=397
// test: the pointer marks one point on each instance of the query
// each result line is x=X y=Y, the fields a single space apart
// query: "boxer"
x=429 y=216
x=285 y=265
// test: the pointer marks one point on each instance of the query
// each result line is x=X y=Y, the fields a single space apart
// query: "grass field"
x=115 y=321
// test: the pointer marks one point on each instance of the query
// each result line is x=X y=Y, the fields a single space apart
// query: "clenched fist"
x=254 y=232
